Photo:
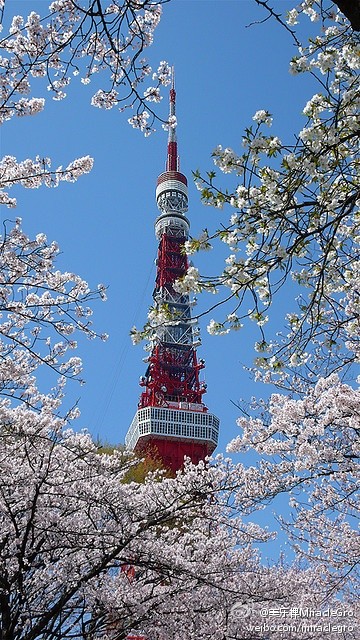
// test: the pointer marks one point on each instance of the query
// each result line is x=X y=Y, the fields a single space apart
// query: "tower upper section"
x=171 y=190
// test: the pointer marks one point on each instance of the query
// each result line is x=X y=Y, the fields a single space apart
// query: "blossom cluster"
x=42 y=310
x=34 y=173
x=294 y=218
x=76 y=39
x=163 y=555
x=311 y=444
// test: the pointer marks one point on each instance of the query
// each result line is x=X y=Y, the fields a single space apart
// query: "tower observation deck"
x=172 y=420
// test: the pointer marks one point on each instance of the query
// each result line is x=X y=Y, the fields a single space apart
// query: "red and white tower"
x=171 y=420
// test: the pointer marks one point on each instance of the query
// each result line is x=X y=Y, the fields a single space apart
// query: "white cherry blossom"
x=82 y=39
x=296 y=213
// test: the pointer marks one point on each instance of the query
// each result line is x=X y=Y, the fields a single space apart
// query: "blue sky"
x=225 y=71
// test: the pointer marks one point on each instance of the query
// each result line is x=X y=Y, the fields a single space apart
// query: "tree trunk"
x=350 y=9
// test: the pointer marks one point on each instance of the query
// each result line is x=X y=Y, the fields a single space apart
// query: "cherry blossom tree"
x=71 y=528
x=86 y=555
x=43 y=310
x=309 y=450
x=83 y=39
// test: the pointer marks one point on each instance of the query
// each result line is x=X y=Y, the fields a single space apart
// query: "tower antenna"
x=172 y=161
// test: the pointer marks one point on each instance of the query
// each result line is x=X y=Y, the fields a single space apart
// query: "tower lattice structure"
x=172 y=420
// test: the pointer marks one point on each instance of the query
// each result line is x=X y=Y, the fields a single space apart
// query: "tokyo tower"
x=172 y=420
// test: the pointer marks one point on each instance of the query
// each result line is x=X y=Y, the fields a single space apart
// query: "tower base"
x=171 y=453
x=169 y=434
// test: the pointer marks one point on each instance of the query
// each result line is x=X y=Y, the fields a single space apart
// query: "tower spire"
x=172 y=162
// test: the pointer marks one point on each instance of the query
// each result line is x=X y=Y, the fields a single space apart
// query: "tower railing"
x=192 y=424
